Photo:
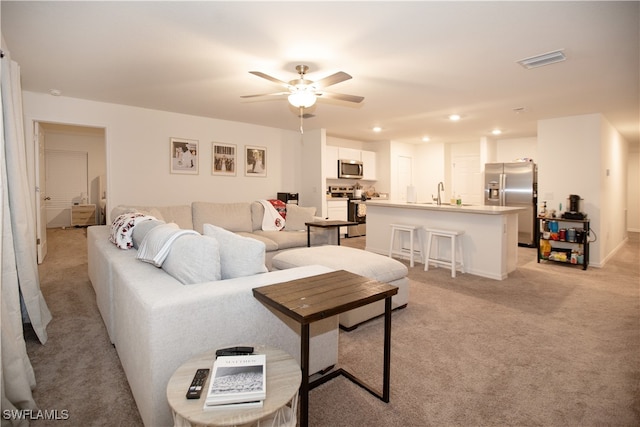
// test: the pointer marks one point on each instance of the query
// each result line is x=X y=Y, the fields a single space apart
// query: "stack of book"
x=237 y=382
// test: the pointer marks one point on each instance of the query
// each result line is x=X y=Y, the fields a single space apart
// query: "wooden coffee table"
x=283 y=382
x=329 y=223
x=318 y=297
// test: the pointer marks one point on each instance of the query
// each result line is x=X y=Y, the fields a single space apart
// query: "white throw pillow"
x=141 y=229
x=239 y=256
x=157 y=243
x=193 y=258
x=297 y=216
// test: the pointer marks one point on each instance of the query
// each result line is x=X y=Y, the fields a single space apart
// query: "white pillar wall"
x=585 y=155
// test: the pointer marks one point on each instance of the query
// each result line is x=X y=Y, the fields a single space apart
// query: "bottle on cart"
x=543 y=211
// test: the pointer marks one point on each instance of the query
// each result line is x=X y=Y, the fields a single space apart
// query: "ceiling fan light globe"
x=302 y=99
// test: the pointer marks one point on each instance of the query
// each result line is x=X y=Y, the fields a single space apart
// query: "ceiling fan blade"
x=264 y=94
x=338 y=77
x=268 y=77
x=341 y=97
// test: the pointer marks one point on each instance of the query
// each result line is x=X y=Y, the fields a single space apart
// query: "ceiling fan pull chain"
x=301 y=119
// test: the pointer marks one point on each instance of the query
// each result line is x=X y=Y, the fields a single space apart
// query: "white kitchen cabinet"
x=348 y=153
x=331 y=162
x=337 y=209
x=369 y=161
x=333 y=154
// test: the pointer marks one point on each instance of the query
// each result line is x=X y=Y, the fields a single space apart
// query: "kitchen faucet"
x=438 y=199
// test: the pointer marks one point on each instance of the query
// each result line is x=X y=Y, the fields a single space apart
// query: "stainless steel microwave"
x=350 y=169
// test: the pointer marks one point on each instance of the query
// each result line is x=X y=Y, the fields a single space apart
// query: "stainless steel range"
x=357 y=212
x=356 y=209
x=341 y=191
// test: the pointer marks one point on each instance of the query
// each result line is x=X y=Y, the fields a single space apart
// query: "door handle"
x=47 y=198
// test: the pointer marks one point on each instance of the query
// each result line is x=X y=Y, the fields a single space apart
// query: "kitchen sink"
x=443 y=204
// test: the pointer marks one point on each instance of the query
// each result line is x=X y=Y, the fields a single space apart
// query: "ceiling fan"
x=303 y=93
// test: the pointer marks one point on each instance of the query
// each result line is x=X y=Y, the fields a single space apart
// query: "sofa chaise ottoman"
x=364 y=263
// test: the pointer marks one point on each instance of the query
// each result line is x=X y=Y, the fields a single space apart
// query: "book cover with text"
x=237 y=379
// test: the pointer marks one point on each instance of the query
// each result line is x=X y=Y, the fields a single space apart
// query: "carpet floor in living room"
x=552 y=345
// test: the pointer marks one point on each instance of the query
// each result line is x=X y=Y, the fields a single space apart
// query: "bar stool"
x=454 y=263
x=412 y=251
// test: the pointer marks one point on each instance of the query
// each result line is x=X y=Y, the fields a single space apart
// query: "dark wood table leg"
x=304 y=386
x=308 y=236
x=387 y=350
x=338 y=228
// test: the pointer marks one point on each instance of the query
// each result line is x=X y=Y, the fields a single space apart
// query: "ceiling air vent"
x=544 y=59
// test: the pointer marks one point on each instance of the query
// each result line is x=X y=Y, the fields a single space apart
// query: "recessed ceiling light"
x=377 y=129
x=454 y=117
x=426 y=139
x=496 y=131
x=543 y=59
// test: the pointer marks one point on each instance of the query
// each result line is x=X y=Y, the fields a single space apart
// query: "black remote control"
x=195 y=389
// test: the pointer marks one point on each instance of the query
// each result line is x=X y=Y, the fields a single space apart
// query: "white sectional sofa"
x=157 y=323
x=243 y=218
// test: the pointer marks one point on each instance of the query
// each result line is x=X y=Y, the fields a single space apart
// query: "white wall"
x=633 y=189
x=137 y=152
x=613 y=187
x=509 y=150
x=312 y=189
x=575 y=154
x=430 y=169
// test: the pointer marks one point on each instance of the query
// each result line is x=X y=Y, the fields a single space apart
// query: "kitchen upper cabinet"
x=331 y=162
x=348 y=153
x=369 y=161
x=333 y=154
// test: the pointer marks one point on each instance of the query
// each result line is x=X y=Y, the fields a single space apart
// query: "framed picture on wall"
x=256 y=161
x=184 y=156
x=224 y=159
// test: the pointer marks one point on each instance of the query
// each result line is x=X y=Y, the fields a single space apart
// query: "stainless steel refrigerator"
x=514 y=184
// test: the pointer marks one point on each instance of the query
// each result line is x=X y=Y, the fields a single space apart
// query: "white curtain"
x=21 y=299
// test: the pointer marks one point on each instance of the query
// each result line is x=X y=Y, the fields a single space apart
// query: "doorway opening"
x=71 y=170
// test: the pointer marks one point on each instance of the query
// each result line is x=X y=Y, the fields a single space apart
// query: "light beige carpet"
x=550 y=346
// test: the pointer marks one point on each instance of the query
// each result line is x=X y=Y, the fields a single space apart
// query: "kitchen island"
x=489 y=243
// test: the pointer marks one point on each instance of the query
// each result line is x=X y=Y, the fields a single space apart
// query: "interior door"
x=467 y=179
x=41 y=193
x=66 y=176
x=405 y=176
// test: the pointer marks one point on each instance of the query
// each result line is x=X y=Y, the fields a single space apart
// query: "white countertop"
x=350 y=198
x=479 y=209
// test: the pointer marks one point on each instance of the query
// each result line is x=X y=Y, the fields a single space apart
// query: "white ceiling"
x=414 y=62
